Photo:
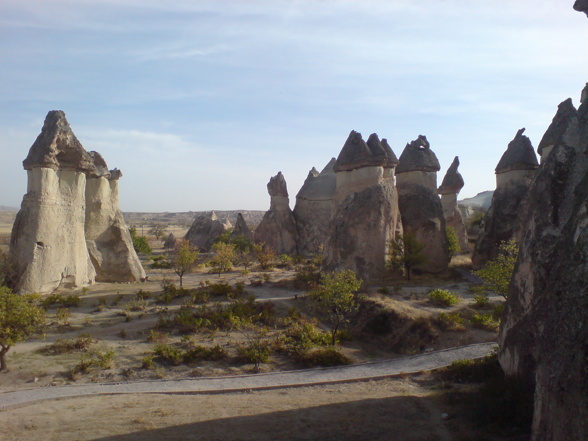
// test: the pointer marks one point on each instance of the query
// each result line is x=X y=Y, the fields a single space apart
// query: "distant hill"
x=5 y=208
x=481 y=200
x=186 y=218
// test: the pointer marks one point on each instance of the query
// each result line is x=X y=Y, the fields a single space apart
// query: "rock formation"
x=449 y=189
x=314 y=204
x=205 y=229
x=365 y=214
x=544 y=334
x=171 y=242
x=278 y=228
x=71 y=206
x=514 y=174
x=241 y=229
x=419 y=203
x=581 y=6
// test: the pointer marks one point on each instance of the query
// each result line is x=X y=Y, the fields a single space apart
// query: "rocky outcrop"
x=504 y=219
x=69 y=229
x=581 y=6
x=449 y=189
x=365 y=215
x=171 y=242
x=241 y=229
x=420 y=206
x=314 y=205
x=278 y=228
x=205 y=229
x=543 y=337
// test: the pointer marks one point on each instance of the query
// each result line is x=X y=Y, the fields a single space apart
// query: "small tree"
x=406 y=252
x=19 y=319
x=453 y=242
x=140 y=242
x=335 y=300
x=184 y=258
x=223 y=259
x=157 y=230
x=265 y=255
x=8 y=272
x=497 y=273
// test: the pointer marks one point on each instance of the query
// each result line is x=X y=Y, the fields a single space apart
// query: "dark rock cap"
x=581 y=6
x=418 y=156
x=356 y=153
x=453 y=181
x=519 y=155
x=58 y=148
x=277 y=186
x=566 y=113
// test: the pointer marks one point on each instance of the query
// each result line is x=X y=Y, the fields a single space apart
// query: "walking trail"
x=306 y=377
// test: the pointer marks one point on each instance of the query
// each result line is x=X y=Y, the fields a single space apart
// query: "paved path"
x=306 y=377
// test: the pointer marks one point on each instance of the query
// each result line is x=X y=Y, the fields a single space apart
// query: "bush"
x=168 y=354
x=304 y=336
x=484 y=321
x=451 y=321
x=56 y=299
x=324 y=357
x=257 y=351
x=64 y=346
x=481 y=300
x=442 y=297
x=140 y=242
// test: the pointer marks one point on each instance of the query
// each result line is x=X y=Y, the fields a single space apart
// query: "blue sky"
x=199 y=103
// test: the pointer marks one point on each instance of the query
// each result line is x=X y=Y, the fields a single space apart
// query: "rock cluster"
x=241 y=229
x=314 y=204
x=504 y=220
x=171 y=242
x=69 y=230
x=420 y=207
x=205 y=229
x=278 y=228
x=544 y=334
x=449 y=189
x=365 y=213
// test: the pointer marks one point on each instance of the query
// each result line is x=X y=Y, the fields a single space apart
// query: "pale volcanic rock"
x=504 y=220
x=205 y=229
x=107 y=237
x=420 y=206
x=70 y=203
x=241 y=229
x=314 y=206
x=365 y=214
x=278 y=228
x=449 y=189
x=543 y=337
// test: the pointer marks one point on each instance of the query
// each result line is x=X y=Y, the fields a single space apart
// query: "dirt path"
x=308 y=377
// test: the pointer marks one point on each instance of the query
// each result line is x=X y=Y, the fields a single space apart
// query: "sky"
x=200 y=102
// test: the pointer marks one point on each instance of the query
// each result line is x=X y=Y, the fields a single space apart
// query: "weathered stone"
x=107 y=237
x=70 y=230
x=205 y=229
x=543 y=337
x=581 y=6
x=564 y=124
x=418 y=156
x=241 y=229
x=314 y=205
x=505 y=217
x=420 y=206
x=365 y=213
x=171 y=242
x=449 y=189
x=278 y=227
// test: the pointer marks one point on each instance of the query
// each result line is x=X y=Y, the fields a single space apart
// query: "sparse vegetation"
x=264 y=255
x=443 y=297
x=405 y=253
x=80 y=343
x=222 y=261
x=183 y=259
x=497 y=273
x=452 y=242
x=140 y=242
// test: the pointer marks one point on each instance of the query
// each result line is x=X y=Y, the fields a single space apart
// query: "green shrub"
x=63 y=346
x=57 y=299
x=451 y=321
x=304 y=336
x=324 y=356
x=255 y=352
x=198 y=353
x=442 y=297
x=484 y=321
x=147 y=362
x=481 y=300
x=168 y=354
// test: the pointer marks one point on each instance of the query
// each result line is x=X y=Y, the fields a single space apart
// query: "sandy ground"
x=399 y=409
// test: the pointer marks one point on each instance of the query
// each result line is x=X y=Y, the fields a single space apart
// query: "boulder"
x=449 y=189
x=543 y=337
x=365 y=213
x=314 y=204
x=504 y=220
x=420 y=206
x=241 y=229
x=69 y=230
x=278 y=228
x=205 y=229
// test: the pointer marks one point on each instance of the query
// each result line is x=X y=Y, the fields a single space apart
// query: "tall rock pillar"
x=449 y=189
